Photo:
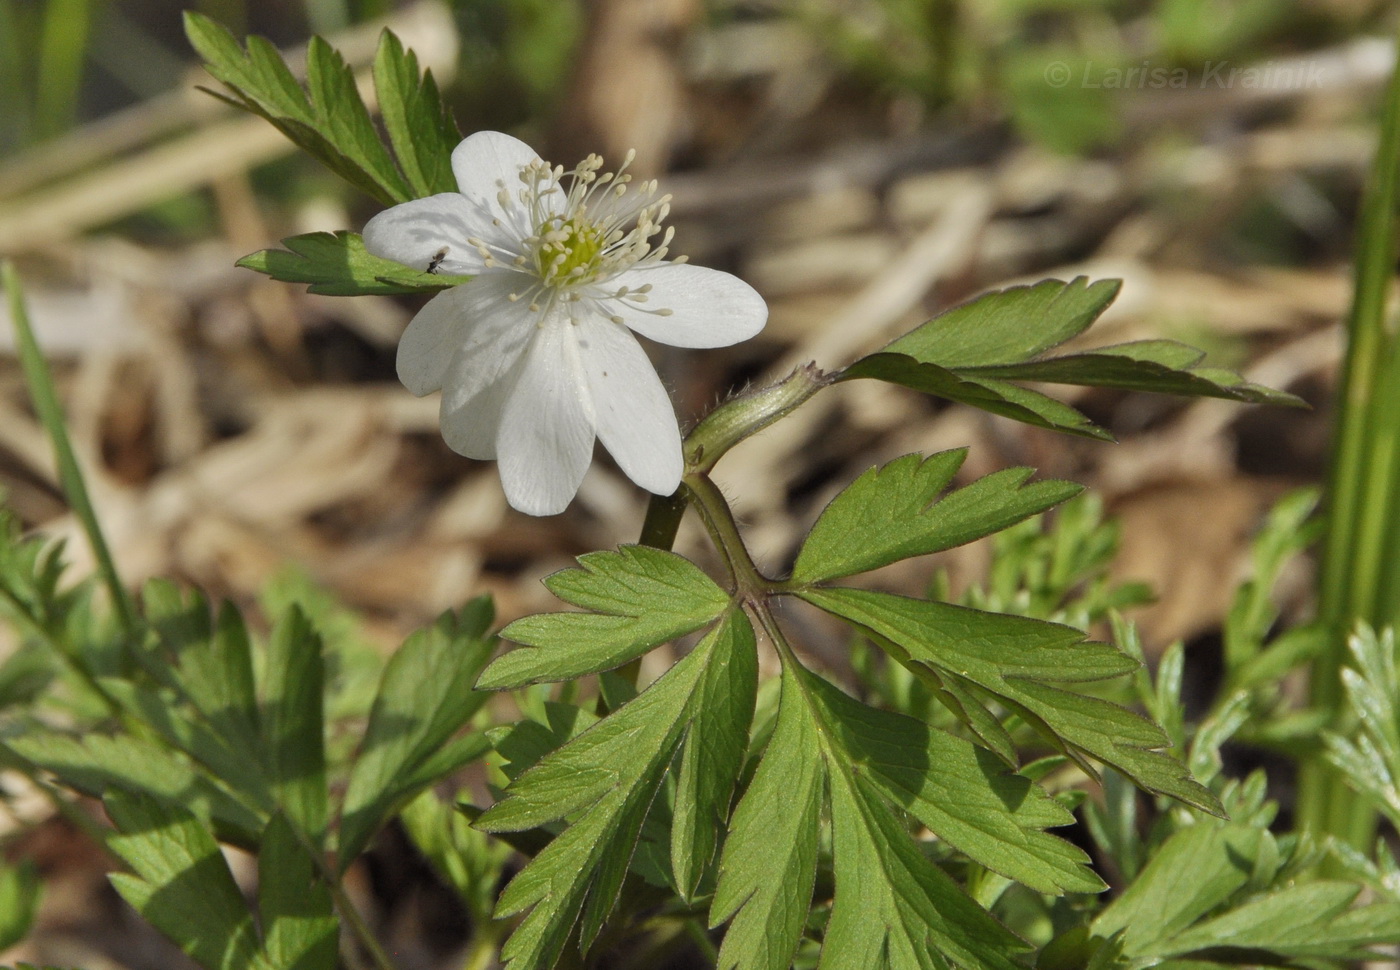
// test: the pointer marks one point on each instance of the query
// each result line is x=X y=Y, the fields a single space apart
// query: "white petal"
x=429 y=232
x=545 y=441
x=475 y=320
x=708 y=308
x=632 y=412
x=485 y=161
x=472 y=426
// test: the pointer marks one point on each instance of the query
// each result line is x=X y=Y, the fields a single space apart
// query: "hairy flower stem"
x=749 y=583
x=749 y=413
x=722 y=429
x=717 y=432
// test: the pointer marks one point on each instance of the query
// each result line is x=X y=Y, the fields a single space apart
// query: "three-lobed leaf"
x=972 y=657
x=299 y=925
x=180 y=882
x=419 y=126
x=1212 y=889
x=604 y=781
x=328 y=119
x=425 y=698
x=636 y=597
x=294 y=727
x=974 y=352
x=893 y=907
x=889 y=513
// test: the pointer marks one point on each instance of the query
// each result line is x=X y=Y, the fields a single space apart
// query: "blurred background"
x=863 y=163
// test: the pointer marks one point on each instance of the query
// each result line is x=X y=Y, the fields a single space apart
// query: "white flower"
x=535 y=355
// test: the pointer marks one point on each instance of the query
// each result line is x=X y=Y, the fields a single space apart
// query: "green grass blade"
x=16 y=108
x=62 y=50
x=41 y=388
x=1363 y=515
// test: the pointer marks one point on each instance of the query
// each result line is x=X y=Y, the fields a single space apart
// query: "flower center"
x=569 y=249
x=572 y=237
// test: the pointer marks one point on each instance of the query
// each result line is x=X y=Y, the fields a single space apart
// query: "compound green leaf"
x=181 y=885
x=97 y=763
x=989 y=394
x=425 y=697
x=604 y=780
x=20 y=891
x=889 y=513
x=713 y=754
x=769 y=862
x=893 y=907
x=341 y=116
x=337 y=264
x=328 y=120
x=300 y=929
x=1009 y=325
x=295 y=738
x=637 y=597
x=1015 y=660
x=1197 y=899
x=961 y=793
x=972 y=352
x=419 y=126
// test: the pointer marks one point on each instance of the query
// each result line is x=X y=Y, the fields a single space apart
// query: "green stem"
x=481 y=955
x=46 y=637
x=724 y=532
x=1363 y=512
x=696 y=931
x=664 y=514
x=45 y=396
x=720 y=430
x=748 y=414
x=358 y=927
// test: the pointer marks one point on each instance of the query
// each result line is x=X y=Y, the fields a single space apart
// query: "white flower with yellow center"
x=535 y=355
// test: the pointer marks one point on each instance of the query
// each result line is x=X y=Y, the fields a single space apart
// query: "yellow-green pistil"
x=584 y=236
x=569 y=249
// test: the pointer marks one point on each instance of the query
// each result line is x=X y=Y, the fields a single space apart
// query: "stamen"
x=572 y=235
